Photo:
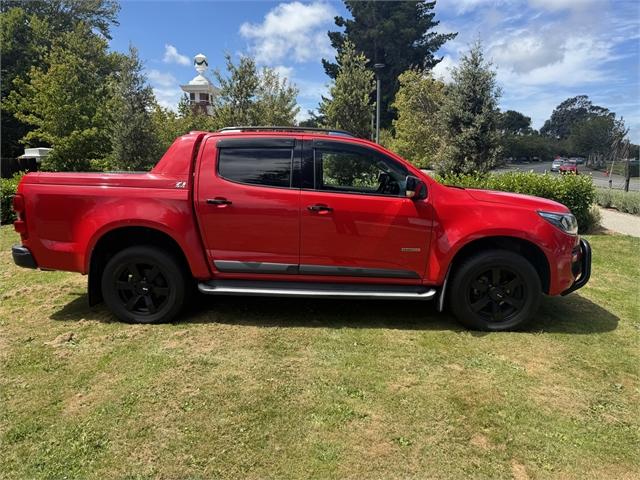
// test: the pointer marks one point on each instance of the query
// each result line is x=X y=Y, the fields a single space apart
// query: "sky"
x=544 y=51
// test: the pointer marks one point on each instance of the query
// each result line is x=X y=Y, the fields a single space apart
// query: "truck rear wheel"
x=143 y=284
x=495 y=290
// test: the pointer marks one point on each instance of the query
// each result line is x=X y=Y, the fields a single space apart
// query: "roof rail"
x=330 y=131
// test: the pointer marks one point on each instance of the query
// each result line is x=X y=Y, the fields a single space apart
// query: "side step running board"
x=316 y=290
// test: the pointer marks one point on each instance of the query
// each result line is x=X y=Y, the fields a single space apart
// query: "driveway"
x=600 y=179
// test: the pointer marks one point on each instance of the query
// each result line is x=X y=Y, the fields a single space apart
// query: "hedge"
x=577 y=192
x=628 y=202
x=8 y=187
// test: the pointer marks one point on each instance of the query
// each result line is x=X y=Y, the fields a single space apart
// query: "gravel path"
x=620 y=222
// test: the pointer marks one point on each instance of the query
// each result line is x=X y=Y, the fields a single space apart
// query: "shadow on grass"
x=573 y=314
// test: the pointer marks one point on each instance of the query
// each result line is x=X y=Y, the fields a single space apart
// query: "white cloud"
x=165 y=88
x=284 y=71
x=302 y=116
x=311 y=91
x=162 y=79
x=294 y=31
x=171 y=55
x=168 y=97
x=576 y=62
x=554 y=5
x=442 y=71
x=524 y=53
x=465 y=6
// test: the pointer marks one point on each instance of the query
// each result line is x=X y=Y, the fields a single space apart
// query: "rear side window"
x=257 y=166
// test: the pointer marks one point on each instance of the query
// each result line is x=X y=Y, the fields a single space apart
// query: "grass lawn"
x=279 y=388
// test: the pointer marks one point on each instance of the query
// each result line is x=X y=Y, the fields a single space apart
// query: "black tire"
x=495 y=290
x=144 y=284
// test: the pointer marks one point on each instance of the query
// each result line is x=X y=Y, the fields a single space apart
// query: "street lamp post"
x=377 y=67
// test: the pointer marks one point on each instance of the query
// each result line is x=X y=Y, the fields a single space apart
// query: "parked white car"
x=555 y=166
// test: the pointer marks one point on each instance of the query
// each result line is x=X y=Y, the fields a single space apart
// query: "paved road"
x=600 y=179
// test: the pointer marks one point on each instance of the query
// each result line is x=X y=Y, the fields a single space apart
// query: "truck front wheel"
x=143 y=284
x=495 y=290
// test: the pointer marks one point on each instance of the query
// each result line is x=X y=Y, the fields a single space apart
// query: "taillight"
x=20 y=225
x=18 y=203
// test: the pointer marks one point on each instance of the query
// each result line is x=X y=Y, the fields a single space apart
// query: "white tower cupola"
x=200 y=90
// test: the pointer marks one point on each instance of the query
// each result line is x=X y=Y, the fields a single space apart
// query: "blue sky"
x=544 y=50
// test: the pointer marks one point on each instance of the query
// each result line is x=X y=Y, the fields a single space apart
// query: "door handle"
x=319 y=207
x=219 y=201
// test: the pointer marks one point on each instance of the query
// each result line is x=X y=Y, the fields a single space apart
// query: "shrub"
x=575 y=191
x=8 y=187
x=628 y=202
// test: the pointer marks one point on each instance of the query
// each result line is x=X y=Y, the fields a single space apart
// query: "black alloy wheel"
x=142 y=288
x=143 y=284
x=494 y=290
x=497 y=295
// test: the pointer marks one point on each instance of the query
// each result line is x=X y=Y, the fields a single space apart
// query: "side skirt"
x=316 y=290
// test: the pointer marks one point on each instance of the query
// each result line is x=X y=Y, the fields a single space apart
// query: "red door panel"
x=260 y=224
x=370 y=232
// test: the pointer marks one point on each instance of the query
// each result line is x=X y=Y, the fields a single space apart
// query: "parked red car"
x=569 y=166
x=296 y=212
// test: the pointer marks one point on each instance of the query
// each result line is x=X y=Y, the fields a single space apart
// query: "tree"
x=27 y=33
x=512 y=122
x=249 y=98
x=569 y=113
x=276 y=100
x=398 y=34
x=595 y=135
x=349 y=104
x=469 y=117
x=61 y=101
x=64 y=15
x=418 y=135
x=131 y=131
x=528 y=146
x=167 y=125
x=236 y=100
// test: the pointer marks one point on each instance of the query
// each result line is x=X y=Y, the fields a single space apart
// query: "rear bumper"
x=22 y=257
x=583 y=268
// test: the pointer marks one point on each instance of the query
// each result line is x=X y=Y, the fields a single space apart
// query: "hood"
x=516 y=200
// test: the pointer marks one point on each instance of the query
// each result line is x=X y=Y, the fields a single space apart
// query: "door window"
x=363 y=172
x=257 y=166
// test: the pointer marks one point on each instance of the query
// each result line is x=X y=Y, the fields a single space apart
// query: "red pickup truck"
x=297 y=212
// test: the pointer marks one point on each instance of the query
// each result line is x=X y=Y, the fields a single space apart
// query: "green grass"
x=269 y=388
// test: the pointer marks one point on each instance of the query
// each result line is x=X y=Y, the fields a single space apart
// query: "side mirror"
x=416 y=189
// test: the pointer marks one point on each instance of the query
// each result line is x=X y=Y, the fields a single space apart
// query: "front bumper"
x=22 y=257
x=582 y=268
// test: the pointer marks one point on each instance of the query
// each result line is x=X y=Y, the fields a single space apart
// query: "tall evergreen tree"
x=349 y=105
x=469 y=117
x=28 y=31
x=62 y=100
x=398 y=34
x=134 y=142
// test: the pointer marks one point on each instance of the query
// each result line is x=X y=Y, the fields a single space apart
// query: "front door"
x=355 y=218
x=248 y=206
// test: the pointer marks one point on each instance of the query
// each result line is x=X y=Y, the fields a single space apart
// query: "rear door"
x=248 y=203
x=355 y=218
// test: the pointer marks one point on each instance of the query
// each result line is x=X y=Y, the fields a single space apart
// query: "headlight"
x=564 y=221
